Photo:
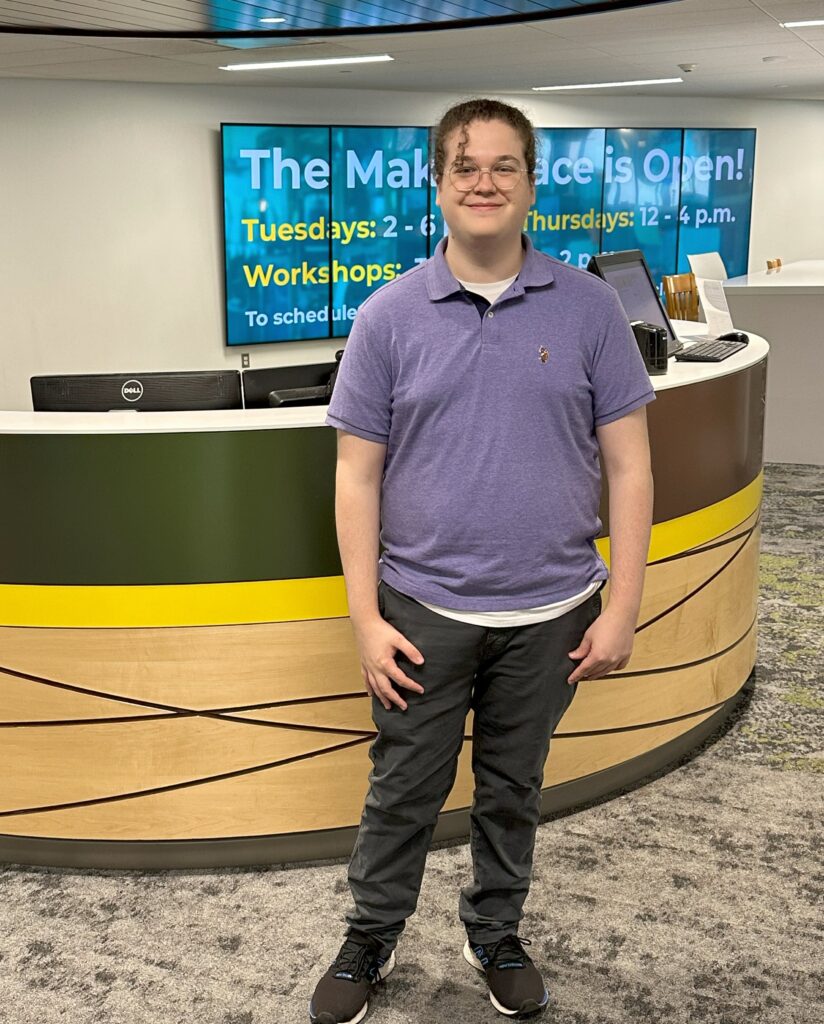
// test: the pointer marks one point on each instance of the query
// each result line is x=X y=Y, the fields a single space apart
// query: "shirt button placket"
x=489 y=332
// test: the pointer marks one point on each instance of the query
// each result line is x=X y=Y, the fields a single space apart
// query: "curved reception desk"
x=179 y=685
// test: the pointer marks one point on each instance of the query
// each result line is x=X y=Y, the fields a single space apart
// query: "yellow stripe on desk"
x=196 y=604
x=691 y=531
x=222 y=604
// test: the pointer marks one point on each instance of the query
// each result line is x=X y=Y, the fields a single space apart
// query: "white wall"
x=110 y=209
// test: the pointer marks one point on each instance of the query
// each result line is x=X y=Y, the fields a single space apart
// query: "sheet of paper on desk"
x=714 y=304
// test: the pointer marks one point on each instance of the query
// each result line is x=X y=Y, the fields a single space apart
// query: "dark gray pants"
x=515 y=680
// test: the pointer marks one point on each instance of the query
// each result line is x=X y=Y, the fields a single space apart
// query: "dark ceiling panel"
x=228 y=18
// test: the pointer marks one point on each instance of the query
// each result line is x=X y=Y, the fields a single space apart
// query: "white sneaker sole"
x=383 y=972
x=388 y=967
x=473 y=961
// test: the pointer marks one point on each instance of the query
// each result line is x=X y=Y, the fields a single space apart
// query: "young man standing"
x=473 y=397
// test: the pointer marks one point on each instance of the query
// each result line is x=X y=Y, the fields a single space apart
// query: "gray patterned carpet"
x=695 y=897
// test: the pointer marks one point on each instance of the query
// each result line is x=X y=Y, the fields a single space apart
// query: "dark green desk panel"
x=167 y=508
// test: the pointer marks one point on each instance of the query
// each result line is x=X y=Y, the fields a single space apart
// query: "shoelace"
x=507 y=953
x=353 y=961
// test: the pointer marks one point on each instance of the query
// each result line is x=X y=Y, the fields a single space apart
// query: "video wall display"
x=317 y=217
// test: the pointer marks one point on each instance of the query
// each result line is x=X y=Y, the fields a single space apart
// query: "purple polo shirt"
x=492 y=482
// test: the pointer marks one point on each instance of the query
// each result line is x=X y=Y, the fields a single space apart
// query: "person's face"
x=485 y=211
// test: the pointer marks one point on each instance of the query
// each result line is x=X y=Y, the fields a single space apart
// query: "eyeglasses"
x=505 y=175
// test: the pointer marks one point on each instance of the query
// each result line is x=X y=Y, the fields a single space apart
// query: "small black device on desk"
x=714 y=351
x=652 y=341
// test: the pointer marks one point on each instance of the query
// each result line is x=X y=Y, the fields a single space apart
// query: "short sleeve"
x=620 y=382
x=361 y=401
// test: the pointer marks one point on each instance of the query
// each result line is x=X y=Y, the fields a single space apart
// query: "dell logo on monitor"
x=132 y=390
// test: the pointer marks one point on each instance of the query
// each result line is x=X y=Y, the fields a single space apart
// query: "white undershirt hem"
x=518 y=616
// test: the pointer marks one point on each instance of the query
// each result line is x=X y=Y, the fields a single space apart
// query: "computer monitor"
x=148 y=392
x=629 y=275
x=259 y=383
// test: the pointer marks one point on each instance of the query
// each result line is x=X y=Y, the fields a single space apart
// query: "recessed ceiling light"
x=271 y=21
x=801 y=24
x=604 y=85
x=319 y=63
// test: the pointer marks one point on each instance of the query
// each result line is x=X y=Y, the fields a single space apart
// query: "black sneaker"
x=516 y=987
x=341 y=996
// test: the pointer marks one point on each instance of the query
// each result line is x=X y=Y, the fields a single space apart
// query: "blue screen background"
x=716 y=212
x=569 y=185
x=396 y=215
x=366 y=209
x=650 y=205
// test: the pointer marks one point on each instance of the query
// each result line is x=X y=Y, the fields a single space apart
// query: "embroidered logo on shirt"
x=543 y=353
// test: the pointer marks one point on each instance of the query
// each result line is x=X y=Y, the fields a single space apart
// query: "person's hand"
x=606 y=646
x=378 y=643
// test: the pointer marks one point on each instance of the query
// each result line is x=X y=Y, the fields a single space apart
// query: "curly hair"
x=463 y=114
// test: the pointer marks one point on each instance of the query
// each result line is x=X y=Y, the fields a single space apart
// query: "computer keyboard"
x=710 y=351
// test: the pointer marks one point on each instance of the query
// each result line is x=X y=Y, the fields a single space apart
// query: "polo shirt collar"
x=535 y=272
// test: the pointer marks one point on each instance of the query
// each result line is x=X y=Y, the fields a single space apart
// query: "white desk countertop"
x=129 y=421
x=216 y=421
x=806 y=277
